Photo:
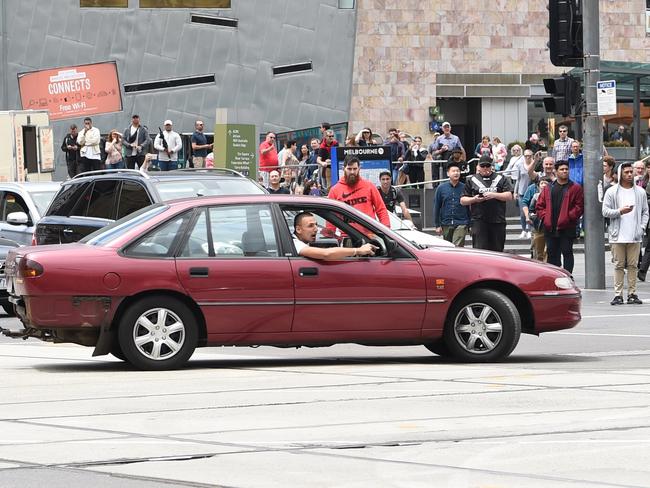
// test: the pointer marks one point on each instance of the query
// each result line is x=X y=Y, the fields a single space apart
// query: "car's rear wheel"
x=158 y=333
x=484 y=325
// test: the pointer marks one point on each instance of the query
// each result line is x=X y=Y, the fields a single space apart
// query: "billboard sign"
x=72 y=92
x=374 y=160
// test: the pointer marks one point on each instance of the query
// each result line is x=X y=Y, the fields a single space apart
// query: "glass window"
x=13 y=203
x=102 y=200
x=104 y=3
x=71 y=200
x=232 y=231
x=42 y=199
x=184 y=3
x=346 y=3
x=133 y=196
x=118 y=228
x=184 y=188
x=159 y=242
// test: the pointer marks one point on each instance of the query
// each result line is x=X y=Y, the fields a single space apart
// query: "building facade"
x=289 y=64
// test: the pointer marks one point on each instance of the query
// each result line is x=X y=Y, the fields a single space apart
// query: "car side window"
x=233 y=231
x=102 y=199
x=71 y=200
x=13 y=203
x=160 y=241
x=133 y=196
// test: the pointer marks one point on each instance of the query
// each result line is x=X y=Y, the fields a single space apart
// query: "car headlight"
x=564 y=283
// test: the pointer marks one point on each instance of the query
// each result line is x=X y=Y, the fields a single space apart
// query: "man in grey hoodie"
x=626 y=206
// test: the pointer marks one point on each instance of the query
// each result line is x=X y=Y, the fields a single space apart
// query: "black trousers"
x=488 y=235
x=86 y=164
x=132 y=160
x=559 y=248
x=72 y=168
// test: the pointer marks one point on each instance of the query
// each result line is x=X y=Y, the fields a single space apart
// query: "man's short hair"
x=325 y=125
x=625 y=164
x=561 y=162
x=547 y=179
x=135 y=116
x=88 y=119
x=290 y=143
x=453 y=164
x=297 y=220
x=350 y=160
x=73 y=126
x=274 y=171
x=456 y=150
x=385 y=173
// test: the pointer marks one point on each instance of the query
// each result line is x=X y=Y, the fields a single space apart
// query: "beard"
x=351 y=179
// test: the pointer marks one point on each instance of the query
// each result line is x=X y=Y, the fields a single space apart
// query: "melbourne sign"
x=374 y=160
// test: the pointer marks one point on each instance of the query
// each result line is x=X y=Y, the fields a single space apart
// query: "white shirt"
x=299 y=245
x=134 y=150
x=89 y=140
x=174 y=143
x=627 y=228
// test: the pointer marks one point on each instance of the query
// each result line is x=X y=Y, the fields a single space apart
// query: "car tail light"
x=29 y=269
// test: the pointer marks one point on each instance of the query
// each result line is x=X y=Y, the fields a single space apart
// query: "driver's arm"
x=334 y=253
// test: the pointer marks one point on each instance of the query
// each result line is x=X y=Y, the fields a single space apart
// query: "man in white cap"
x=167 y=143
x=444 y=145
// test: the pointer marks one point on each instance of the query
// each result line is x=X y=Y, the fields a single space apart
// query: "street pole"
x=593 y=142
x=5 y=57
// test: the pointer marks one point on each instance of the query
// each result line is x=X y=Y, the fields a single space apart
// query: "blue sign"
x=374 y=160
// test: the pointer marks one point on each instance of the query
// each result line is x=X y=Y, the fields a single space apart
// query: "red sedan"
x=217 y=271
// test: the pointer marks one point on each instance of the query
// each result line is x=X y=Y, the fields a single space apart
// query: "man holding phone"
x=626 y=206
x=559 y=207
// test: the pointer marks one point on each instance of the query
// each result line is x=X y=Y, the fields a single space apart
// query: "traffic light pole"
x=593 y=143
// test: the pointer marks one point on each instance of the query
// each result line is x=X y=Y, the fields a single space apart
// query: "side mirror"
x=17 y=218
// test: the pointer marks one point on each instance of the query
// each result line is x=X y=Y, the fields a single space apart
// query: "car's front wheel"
x=158 y=333
x=484 y=325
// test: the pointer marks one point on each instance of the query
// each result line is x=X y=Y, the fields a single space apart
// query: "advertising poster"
x=46 y=149
x=72 y=92
x=374 y=160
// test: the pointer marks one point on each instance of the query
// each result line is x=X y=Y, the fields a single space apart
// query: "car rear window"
x=183 y=188
x=71 y=200
x=112 y=231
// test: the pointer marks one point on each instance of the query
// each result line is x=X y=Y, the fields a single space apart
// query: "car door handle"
x=68 y=231
x=308 y=271
x=199 y=272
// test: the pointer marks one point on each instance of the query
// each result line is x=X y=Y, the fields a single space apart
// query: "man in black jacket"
x=71 y=150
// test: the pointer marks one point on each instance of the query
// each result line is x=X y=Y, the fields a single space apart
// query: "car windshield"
x=42 y=199
x=107 y=234
x=183 y=188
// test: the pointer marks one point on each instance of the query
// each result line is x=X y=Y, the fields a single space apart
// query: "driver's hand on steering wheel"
x=367 y=250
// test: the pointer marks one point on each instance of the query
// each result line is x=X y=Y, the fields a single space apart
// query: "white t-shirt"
x=627 y=228
x=299 y=245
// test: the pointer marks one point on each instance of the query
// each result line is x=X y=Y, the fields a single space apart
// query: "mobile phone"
x=631 y=206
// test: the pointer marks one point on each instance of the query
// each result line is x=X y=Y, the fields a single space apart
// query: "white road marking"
x=616 y=315
x=604 y=335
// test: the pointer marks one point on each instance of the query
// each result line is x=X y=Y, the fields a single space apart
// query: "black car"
x=91 y=200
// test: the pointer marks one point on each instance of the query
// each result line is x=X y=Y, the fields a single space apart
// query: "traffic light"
x=565 y=92
x=565 y=32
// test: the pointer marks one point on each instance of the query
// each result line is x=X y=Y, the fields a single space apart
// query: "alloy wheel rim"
x=159 y=334
x=478 y=328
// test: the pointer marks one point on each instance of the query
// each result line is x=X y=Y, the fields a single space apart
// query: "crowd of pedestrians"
x=132 y=148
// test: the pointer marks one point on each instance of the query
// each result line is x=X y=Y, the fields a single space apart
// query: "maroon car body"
x=108 y=293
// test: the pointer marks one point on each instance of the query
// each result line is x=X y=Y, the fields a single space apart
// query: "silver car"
x=21 y=206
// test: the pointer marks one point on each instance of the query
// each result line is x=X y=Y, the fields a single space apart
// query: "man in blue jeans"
x=450 y=218
x=559 y=207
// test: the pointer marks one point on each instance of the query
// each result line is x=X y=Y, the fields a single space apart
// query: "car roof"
x=181 y=174
x=293 y=200
x=31 y=185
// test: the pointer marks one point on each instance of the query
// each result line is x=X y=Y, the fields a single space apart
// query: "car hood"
x=423 y=238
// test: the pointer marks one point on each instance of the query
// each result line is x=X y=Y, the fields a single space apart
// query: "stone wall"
x=402 y=45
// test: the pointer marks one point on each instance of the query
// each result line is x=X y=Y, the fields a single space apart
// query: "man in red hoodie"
x=359 y=193
x=559 y=207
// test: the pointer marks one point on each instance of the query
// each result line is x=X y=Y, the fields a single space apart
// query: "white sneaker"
x=528 y=235
x=522 y=235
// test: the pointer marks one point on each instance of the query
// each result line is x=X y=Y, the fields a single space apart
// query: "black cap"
x=485 y=161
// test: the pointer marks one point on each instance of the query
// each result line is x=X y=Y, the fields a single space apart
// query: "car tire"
x=9 y=310
x=158 y=333
x=483 y=326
